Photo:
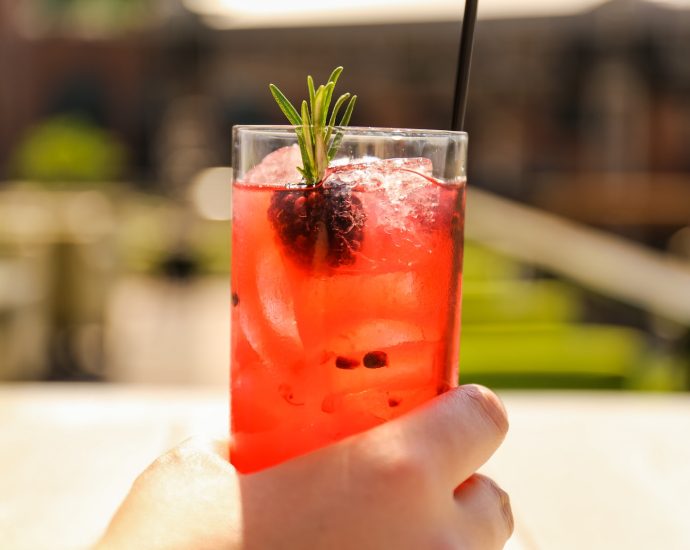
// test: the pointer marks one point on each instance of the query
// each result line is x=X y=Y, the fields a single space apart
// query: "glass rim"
x=373 y=131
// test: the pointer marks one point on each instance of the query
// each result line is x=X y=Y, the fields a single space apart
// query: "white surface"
x=598 y=471
x=69 y=453
x=584 y=471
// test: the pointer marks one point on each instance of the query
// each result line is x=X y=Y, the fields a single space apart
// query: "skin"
x=407 y=484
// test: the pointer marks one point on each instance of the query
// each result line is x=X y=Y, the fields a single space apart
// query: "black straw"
x=462 y=77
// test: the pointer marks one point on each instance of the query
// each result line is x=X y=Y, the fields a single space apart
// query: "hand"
x=407 y=484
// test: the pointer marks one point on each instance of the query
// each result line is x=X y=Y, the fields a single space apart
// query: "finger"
x=485 y=510
x=195 y=452
x=217 y=447
x=187 y=495
x=194 y=468
x=455 y=433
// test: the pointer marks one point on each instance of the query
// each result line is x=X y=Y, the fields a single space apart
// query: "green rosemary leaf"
x=334 y=114
x=344 y=121
x=320 y=112
x=310 y=86
x=321 y=154
x=328 y=94
x=338 y=104
x=317 y=109
x=284 y=103
x=333 y=149
x=302 y=150
x=308 y=127
x=308 y=137
x=317 y=140
x=334 y=75
x=348 y=112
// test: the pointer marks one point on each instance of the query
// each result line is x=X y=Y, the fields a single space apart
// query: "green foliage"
x=520 y=332
x=68 y=150
x=551 y=348
x=520 y=301
x=94 y=17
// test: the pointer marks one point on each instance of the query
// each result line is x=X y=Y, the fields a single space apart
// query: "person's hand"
x=406 y=484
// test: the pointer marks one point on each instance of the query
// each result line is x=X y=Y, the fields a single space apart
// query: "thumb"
x=457 y=431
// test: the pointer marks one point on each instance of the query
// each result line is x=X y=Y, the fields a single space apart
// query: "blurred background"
x=115 y=120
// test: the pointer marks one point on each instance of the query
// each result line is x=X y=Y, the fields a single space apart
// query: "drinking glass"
x=346 y=294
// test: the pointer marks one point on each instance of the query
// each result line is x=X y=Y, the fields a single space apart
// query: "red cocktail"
x=346 y=294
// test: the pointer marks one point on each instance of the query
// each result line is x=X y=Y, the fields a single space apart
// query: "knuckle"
x=405 y=467
x=402 y=470
x=189 y=454
x=188 y=458
x=179 y=456
x=489 y=406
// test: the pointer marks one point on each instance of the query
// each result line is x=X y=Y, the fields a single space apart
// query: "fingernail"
x=491 y=403
x=507 y=510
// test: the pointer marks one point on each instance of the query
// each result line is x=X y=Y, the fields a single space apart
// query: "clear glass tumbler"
x=345 y=294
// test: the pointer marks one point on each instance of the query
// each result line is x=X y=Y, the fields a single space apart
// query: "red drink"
x=331 y=337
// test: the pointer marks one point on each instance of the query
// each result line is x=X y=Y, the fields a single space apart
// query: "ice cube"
x=278 y=167
x=329 y=306
x=419 y=165
x=277 y=304
x=375 y=334
x=404 y=190
x=267 y=315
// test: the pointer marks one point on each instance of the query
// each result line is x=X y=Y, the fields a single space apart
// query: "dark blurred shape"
x=587 y=116
x=180 y=265
x=81 y=95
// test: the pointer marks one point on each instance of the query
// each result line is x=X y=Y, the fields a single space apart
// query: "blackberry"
x=322 y=223
x=346 y=362
x=376 y=359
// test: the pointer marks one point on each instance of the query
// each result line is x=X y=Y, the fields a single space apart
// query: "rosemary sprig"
x=318 y=135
